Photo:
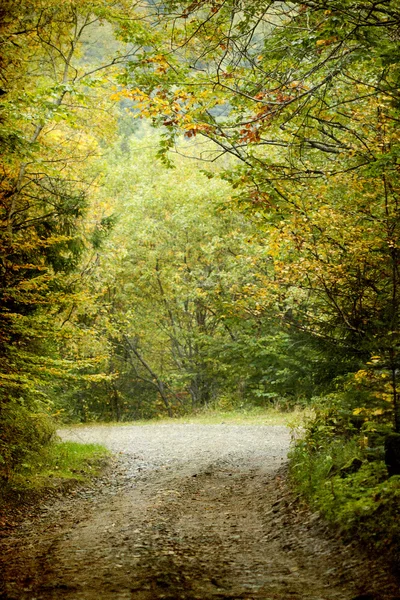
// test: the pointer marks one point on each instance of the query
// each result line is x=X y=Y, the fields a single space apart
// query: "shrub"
x=337 y=466
x=24 y=429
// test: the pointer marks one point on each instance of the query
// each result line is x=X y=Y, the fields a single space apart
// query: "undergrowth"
x=339 y=468
x=57 y=464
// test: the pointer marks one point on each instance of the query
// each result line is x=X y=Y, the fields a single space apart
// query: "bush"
x=24 y=429
x=337 y=466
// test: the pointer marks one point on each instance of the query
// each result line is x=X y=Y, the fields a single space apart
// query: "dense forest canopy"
x=245 y=253
x=305 y=97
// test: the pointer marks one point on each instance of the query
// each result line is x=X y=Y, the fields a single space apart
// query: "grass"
x=246 y=416
x=56 y=465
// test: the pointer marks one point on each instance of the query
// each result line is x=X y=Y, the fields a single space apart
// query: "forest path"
x=188 y=512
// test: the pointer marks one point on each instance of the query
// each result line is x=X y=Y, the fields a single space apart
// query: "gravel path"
x=187 y=512
x=187 y=446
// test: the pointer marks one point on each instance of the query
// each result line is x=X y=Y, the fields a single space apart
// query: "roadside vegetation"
x=57 y=466
x=340 y=470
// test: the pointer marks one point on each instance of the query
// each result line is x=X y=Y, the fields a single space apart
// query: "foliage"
x=338 y=466
x=304 y=97
x=24 y=432
x=160 y=314
x=52 y=121
x=55 y=464
x=180 y=314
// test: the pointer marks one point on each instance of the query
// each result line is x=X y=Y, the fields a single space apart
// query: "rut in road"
x=228 y=529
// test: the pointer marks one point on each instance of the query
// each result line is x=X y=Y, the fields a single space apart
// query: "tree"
x=173 y=288
x=51 y=101
x=304 y=96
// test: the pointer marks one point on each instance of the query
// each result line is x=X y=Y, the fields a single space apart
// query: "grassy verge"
x=55 y=466
x=249 y=416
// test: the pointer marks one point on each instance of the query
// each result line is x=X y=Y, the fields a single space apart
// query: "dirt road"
x=187 y=512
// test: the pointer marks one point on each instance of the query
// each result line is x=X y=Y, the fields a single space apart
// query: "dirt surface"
x=186 y=512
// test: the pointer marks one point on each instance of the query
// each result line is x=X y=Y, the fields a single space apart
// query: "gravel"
x=179 y=445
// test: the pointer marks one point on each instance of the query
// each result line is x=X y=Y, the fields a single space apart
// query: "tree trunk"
x=155 y=379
